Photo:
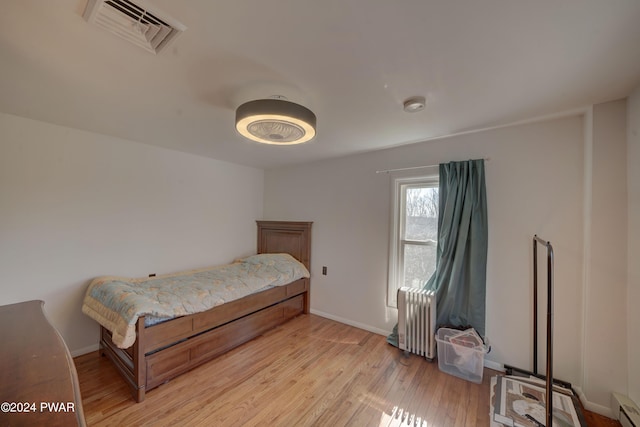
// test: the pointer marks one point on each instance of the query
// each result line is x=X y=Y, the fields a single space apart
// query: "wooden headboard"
x=290 y=237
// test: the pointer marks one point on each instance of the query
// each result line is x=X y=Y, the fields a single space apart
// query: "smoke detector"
x=414 y=104
x=150 y=30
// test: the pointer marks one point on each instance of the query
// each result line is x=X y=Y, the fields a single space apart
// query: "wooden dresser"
x=38 y=380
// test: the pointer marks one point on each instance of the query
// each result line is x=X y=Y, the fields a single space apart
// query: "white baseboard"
x=593 y=407
x=351 y=323
x=85 y=350
x=493 y=365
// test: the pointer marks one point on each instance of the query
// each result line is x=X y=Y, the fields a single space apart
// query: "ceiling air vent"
x=139 y=25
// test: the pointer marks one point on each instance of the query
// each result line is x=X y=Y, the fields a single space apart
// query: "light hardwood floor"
x=310 y=371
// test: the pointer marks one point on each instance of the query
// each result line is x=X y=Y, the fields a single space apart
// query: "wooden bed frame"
x=163 y=351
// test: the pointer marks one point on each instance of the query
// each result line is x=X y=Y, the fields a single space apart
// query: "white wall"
x=75 y=205
x=534 y=185
x=633 y=243
x=605 y=321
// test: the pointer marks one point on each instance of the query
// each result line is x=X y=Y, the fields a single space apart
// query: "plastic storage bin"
x=461 y=353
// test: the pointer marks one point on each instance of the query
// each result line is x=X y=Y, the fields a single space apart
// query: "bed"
x=165 y=350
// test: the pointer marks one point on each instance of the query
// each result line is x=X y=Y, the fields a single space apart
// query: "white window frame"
x=396 y=252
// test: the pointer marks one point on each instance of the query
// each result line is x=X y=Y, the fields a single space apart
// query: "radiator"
x=417 y=321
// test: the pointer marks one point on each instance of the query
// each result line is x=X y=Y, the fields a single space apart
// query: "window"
x=414 y=236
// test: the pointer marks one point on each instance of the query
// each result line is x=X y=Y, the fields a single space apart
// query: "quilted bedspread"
x=117 y=303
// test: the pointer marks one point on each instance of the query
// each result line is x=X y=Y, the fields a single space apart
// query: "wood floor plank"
x=311 y=371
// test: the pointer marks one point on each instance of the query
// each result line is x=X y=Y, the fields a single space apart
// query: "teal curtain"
x=461 y=260
x=461 y=270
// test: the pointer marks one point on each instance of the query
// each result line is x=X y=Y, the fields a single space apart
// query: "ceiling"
x=353 y=62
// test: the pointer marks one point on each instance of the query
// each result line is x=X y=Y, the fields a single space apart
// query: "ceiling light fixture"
x=414 y=104
x=275 y=121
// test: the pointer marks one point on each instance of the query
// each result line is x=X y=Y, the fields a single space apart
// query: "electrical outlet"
x=324 y=270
